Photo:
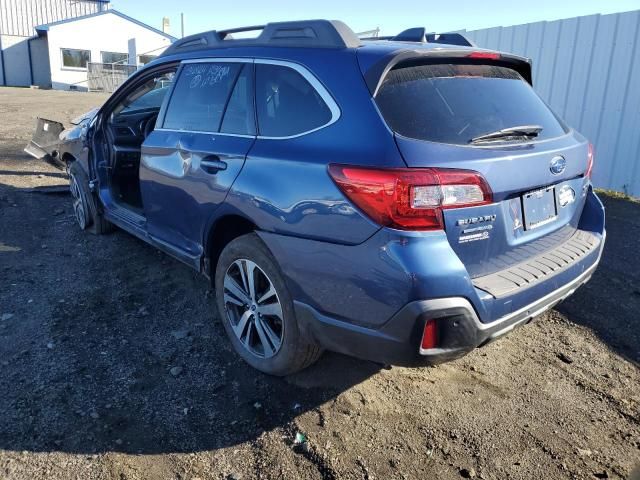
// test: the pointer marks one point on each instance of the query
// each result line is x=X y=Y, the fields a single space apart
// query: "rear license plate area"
x=539 y=208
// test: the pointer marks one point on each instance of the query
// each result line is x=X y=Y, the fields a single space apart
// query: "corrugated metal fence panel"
x=20 y=17
x=588 y=70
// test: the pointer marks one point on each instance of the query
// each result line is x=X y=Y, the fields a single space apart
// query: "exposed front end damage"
x=45 y=141
x=57 y=145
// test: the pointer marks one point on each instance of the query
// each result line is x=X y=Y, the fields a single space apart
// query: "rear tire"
x=256 y=309
x=85 y=204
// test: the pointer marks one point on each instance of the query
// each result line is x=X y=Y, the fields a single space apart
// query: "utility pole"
x=182 y=25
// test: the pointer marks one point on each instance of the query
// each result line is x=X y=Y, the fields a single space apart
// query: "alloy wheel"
x=253 y=308
x=79 y=207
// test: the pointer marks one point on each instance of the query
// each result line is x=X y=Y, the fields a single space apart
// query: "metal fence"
x=107 y=77
x=20 y=17
x=588 y=70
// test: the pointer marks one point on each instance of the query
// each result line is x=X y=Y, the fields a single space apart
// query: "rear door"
x=437 y=110
x=192 y=158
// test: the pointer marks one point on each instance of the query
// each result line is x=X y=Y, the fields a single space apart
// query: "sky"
x=391 y=16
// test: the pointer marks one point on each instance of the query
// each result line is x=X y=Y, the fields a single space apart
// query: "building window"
x=115 y=57
x=72 y=58
x=144 y=59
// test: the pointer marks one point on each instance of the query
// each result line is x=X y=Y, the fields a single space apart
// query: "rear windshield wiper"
x=523 y=132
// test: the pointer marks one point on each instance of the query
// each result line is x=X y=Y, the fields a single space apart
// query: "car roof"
x=320 y=34
x=312 y=38
x=384 y=46
x=371 y=51
x=305 y=33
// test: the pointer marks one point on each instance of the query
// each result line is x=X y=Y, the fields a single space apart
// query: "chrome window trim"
x=316 y=84
x=218 y=60
x=306 y=74
x=203 y=132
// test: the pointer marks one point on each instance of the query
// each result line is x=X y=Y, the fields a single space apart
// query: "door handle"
x=212 y=164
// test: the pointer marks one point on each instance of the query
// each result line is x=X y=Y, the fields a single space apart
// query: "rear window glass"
x=454 y=103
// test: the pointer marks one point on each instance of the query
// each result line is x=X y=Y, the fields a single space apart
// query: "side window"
x=239 y=117
x=287 y=104
x=200 y=96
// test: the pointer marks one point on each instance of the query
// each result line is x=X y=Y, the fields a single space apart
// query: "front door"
x=192 y=158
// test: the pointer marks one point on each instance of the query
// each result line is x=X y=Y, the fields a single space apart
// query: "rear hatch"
x=441 y=111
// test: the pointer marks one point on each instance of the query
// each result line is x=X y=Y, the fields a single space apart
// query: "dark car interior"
x=129 y=125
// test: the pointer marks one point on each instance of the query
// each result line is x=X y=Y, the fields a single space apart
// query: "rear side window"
x=455 y=103
x=287 y=104
x=200 y=96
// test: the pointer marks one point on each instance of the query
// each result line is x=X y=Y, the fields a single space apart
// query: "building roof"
x=45 y=28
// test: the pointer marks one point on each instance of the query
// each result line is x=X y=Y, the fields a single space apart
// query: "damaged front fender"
x=45 y=141
x=56 y=145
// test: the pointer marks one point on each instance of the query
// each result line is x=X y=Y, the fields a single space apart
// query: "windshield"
x=452 y=103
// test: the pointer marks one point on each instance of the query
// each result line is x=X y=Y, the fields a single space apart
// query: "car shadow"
x=609 y=303
x=111 y=346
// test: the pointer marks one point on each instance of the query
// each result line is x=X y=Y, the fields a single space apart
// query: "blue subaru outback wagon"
x=403 y=200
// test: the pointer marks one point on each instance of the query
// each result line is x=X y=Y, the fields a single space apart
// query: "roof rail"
x=304 y=33
x=420 y=35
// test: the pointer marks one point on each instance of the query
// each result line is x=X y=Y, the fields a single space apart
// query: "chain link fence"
x=107 y=77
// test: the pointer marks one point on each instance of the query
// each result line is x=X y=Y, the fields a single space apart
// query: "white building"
x=69 y=34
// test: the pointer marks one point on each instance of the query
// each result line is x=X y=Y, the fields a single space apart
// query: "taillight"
x=410 y=198
x=429 y=335
x=485 y=55
x=589 y=162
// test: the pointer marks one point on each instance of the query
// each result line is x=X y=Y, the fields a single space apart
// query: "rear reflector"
x=485 y=55
x=589 y=162
x=410 y=198
x=429 y=336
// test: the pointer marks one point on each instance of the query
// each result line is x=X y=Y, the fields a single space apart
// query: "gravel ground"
x=113 y=365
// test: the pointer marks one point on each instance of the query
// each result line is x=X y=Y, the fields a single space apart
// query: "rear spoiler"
x=379 y=70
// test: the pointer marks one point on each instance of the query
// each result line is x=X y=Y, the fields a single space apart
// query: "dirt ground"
x=91 y=328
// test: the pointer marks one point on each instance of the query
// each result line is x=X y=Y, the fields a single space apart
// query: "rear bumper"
x=459 y=328
x=372 y=300
x=459 y=337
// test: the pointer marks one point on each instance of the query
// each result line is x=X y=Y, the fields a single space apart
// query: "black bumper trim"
x=484 y=333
